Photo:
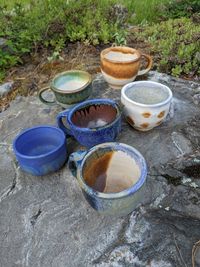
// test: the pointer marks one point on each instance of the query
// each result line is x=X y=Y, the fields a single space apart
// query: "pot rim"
x=24 y=132
x=118 y=48
x=125 y=193
x=127 y=86
x=90 y=102
x=54 y=88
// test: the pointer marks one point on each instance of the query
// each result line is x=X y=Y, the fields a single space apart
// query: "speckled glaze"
x=67 y=98
x=41 y=149
x=145 y=117
x=117 y=204
x=91 y=136
x=119 y=73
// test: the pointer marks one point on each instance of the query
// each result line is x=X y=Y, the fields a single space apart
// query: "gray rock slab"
x=6 y=88
x=45 y=221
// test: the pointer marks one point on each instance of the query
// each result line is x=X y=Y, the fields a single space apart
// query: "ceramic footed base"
x=117 y=87
x=142 y=129
x=116 y=83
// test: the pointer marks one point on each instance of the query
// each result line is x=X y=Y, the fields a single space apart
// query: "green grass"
x=10 y=3
x=145 y=10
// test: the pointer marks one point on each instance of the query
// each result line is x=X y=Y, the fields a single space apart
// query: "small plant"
x=120 y=38
x=55 y=56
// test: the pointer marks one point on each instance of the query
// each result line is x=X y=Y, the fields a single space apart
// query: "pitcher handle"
x=75 y=160
x=60 y=116
x=148 y=65
x=50 y=103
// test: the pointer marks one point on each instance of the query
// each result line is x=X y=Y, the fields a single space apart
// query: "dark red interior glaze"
x=94 y=116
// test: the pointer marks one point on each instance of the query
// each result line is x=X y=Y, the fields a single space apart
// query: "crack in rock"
x=179 y=171
x=12 y=187
x=15 y=186
x=120 y=240
x=10 y=190
x=192 y=171
x=35 y=217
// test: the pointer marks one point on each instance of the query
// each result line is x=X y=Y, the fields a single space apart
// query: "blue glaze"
x=41 y=149
x=75 y=161
x=121 y=203
x=91 y=136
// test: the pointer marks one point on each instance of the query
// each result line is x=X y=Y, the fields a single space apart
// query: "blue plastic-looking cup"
x=41 y=149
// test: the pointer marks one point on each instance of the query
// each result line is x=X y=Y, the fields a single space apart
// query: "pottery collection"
x=111 y=175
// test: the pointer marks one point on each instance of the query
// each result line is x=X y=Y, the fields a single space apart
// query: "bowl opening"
x=37 y=142
x=94 y=115
x=147 y=93
x=121 y=54
x=111 y=170
x=71 y=81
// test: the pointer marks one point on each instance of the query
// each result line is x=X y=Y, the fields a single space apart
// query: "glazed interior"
x=71 y=81
x=38 y=141
x=110 y=171
x=94 y=116
x=120 y=54
x=147 y=93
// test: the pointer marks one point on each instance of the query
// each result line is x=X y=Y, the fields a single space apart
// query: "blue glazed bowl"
x=112 y=177
x=92 y=122
x=41 y=149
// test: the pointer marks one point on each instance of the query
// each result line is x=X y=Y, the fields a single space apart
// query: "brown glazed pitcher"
x=120 y=65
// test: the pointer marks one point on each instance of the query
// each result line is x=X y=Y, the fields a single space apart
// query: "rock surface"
x=6 y=88
x=45 y=221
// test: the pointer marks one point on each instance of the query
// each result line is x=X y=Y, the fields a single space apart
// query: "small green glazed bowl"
x=69 y=88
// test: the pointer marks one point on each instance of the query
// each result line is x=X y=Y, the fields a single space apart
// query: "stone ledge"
x=45 y=221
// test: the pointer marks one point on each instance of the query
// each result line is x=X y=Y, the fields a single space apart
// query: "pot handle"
x=50 y=103
x=60 y=116
x=148 y=65
x=75 y=160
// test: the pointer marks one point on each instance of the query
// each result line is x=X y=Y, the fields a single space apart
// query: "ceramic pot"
x=145 y=117
x=41 y=149
x=112 y=177
x=121 y=65
x=69 y=88
x=92 y=122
